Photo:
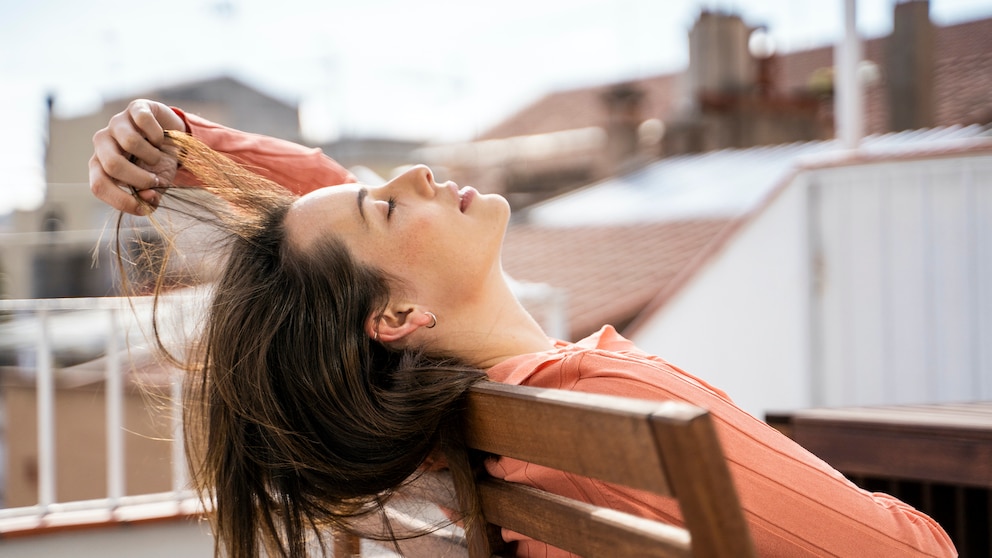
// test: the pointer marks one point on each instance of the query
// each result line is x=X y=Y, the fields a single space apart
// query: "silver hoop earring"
x=434 y=323
x=375 y=335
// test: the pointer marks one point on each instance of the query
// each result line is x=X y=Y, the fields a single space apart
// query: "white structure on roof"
x=725 y=183
x=852 y=277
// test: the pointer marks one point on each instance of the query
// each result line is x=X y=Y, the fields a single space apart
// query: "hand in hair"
x=129 y=161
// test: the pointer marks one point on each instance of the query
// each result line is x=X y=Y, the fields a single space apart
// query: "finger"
x=146 y=115
x=118 y=165
x=151 y=118
x=130 y=139
x=123 y=169
x=150 y=197
x=107 y=190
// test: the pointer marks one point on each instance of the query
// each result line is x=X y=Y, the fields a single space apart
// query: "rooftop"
x=628 y=243
x=963 y=79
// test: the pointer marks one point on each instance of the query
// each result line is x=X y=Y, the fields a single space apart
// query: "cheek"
x=409 y=251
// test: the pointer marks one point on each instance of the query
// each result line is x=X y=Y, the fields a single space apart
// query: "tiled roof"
x=964 y=73
x=619 y=244
x=581 y=108
x=624 y=246
x=608 y=273
x=963 y=81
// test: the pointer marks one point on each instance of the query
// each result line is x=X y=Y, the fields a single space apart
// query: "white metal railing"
x=32 y=320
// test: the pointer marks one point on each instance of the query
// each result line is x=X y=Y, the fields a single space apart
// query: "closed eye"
x=392 y=205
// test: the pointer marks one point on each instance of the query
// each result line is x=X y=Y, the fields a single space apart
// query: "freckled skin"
x=438 y=251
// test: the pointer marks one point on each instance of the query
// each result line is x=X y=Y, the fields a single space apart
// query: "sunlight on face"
x=438 y=239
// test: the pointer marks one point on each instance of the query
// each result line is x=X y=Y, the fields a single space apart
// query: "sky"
x=432 y=70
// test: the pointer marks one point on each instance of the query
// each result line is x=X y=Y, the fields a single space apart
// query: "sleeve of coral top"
x=796 y=504
x=297 y=168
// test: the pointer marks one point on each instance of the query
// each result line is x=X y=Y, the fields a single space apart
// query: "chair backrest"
x=668 y=448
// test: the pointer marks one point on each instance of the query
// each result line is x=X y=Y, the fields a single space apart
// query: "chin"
x=504 y=206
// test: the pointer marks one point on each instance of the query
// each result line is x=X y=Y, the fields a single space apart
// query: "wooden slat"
x=669 y=448
x=937 y=454
x=701 y=481
x=981 y=409
x=579 y=527
x=972 y=417
x=505 y=421
x=942 y=449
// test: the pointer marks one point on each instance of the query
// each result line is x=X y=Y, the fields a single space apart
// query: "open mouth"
x=466 y=195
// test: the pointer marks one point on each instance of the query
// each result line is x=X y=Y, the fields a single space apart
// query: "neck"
x=496 y=327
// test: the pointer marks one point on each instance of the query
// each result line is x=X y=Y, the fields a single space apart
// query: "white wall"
x=860 y=285
x=740 y=324
x=904 y=304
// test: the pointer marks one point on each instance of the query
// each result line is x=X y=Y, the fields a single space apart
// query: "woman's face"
x=438 y=239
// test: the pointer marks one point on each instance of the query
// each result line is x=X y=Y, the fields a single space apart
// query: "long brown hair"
x=294 y=419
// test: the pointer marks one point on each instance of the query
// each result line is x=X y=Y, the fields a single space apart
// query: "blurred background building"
x=708 y=213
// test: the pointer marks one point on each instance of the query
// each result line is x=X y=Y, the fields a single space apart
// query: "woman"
x=350 y=320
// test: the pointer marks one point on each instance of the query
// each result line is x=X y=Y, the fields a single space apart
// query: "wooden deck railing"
x=936 y=458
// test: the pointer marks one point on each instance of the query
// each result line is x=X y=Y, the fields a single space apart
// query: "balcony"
x=90 y=433
x=93 y=459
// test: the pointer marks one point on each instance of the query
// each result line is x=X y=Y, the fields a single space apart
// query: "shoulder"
x=604 y=362
x=535 y=369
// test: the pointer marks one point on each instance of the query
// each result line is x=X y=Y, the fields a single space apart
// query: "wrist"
x=182 y=118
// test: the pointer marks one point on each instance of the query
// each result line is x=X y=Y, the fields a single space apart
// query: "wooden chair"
x=667 y=448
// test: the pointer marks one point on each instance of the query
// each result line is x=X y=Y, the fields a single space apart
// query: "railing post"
x=40 y=327
x=179 y=480
x=114 y=394
x=46 y=416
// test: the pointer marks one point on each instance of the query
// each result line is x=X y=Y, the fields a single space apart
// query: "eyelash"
x=392 y=206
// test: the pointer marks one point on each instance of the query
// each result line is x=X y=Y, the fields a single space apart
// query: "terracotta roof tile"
x=580 y=108
x=963 y=74
x=608 y=273
x=611 y=273
x=963 y=79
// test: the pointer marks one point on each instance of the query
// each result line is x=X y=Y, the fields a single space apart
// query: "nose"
x=418 y=178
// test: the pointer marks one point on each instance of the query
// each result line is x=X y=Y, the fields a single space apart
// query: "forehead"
x=330 y=209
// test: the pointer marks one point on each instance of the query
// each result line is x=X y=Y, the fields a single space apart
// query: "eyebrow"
x=362 y=193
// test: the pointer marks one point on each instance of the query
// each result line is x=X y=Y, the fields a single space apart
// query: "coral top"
x=298 y=169
x=796 y=504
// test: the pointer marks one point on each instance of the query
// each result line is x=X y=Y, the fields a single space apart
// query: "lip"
x=466 y=195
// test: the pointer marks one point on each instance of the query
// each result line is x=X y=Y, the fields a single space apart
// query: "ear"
x=397 y=322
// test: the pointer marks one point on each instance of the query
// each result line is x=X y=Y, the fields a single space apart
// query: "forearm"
x=297 y=168
x=799 y=504
x=796 y=504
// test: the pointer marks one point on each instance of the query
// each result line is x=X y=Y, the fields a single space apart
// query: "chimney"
x=623 y=107
x=719 y=60
x=910 y=67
